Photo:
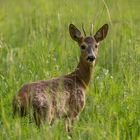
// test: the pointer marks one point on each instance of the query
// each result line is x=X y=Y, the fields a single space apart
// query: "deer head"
x=88 y=44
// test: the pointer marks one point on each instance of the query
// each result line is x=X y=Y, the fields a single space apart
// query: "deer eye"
x=83 y=47
x=96 y=46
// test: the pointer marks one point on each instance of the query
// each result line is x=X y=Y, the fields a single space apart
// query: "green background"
x=35 y=45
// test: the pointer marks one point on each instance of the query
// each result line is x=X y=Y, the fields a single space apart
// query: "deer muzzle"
x=91 y=58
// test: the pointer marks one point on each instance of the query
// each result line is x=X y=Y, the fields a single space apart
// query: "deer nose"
x=91 y=58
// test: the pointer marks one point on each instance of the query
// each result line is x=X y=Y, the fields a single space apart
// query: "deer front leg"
x=67 y=125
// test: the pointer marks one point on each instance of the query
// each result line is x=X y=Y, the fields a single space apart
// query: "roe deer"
x=62 y=97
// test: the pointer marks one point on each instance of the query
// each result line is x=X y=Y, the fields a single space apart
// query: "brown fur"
x=62 y=97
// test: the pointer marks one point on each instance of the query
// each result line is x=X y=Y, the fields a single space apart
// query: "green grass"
x=35 y=44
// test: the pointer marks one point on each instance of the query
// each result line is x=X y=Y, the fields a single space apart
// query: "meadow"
x=35 y=44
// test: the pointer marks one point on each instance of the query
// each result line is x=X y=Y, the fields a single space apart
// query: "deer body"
x=62 y=97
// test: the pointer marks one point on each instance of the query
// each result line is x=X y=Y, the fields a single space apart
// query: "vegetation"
x=35 y=44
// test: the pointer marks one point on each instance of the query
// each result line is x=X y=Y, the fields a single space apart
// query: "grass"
x=35 y=44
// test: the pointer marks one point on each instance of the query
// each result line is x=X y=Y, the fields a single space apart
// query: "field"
x=35 y=44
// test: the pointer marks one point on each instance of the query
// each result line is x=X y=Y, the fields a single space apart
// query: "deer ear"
x=75 y=33
x=101 y=33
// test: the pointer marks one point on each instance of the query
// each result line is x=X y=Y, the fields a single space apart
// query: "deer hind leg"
x=50 y=114
x=23 y=111
x=40 y=116
x=37 y=117
x=40 y=107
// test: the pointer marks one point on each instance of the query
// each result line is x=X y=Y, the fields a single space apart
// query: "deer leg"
x=50 y=115
x=44 y=114
x=23 y=111
x=69 y=122
x=67 y=125
x=37 y=117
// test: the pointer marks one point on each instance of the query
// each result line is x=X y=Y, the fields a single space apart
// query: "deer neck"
x=83 y=72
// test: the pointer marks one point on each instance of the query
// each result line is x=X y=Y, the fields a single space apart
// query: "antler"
x=91 y=29
x=83 y=29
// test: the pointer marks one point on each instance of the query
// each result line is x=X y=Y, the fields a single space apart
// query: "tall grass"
x=35 y=44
